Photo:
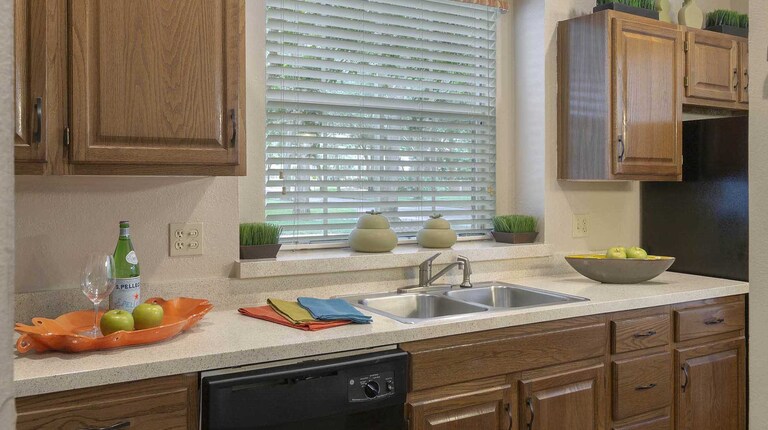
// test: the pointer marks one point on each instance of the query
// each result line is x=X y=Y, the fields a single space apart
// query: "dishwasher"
x=361 y=391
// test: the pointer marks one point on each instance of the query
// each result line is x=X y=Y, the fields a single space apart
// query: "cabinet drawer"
x=708 y=320
x=165 y=403
x=639 y=333
x=641 y=385
x=663 y=423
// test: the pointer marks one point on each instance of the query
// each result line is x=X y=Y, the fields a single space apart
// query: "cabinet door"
x=30 y=65
x=712 y=386
x=475 y=405
x=157 y=82
x=712 y=66
x=647 y=117
x=563 y=400
x=744 y=65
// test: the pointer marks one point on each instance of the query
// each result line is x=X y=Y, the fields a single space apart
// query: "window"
x=379 y=105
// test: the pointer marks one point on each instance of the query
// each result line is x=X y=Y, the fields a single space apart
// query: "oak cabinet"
x=744 y=67
x=711 y=392
x=168 y=403
x=620 y=98
x=144 y=86
x=715 y=68
x=563 y=400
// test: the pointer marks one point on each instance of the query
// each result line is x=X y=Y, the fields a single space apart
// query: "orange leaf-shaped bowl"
x=62 y=333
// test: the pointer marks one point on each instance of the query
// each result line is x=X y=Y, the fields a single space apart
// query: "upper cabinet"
x=152 y=87
x=714 y=75
x=620 y=98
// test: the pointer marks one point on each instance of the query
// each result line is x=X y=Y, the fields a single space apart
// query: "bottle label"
x=126 y=295
x=131 y=258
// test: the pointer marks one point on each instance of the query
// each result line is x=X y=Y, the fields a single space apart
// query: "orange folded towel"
x=266 y=313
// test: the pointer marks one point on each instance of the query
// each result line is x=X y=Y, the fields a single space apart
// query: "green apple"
x=637 y=252
x=147 y=315
x=616 y=252
x=116 y=320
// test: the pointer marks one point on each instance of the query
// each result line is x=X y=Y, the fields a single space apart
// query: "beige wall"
x=6 y=214
x=758 y=218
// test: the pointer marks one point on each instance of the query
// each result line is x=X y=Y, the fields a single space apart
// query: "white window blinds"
x=386 y=105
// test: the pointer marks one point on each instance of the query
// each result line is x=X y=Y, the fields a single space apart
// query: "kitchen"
x=65 y=215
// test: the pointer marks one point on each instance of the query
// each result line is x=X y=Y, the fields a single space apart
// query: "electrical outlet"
x=185 y=239
x=581 y=225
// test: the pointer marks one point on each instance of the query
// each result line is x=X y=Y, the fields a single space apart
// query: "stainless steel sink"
x=411 y=308
x=502 y=295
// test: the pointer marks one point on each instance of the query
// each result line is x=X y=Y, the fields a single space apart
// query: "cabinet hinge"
x=686 y=46
x=685 y=82
x=67 y=137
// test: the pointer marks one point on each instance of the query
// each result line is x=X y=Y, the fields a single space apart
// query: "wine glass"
x=97 y=282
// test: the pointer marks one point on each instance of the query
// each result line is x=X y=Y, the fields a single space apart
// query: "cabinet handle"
x=37 y=133
x=233 y=117
x=508 y=408
x=714 y=321
x=529 y=403
x=646 y=334
x=645 y=387
x=621 y=148
x=746 y=79
x=685 y=373
x=735 y=78
x=120 y=425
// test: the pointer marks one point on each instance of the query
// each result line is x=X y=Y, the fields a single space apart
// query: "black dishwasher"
x=361 y=392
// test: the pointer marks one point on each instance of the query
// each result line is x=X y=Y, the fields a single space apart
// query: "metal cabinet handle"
x=621 y=148
x=508 y=408
x=687 y=377
x=646 y=334
x=746 y=79
x=645 y=387
x=233 y=117
x=714 y=321
x=529 y=403
x=120 y=425
x=735 y=78
x=37 y=133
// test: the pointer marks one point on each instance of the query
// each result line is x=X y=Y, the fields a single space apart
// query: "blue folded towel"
x=333 y=310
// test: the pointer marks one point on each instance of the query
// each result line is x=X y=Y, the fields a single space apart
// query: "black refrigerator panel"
x=703 y=221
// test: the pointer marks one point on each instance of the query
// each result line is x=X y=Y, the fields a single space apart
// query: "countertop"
x=224 y=338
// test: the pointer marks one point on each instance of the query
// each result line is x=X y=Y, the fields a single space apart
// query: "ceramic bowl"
x=619 y=271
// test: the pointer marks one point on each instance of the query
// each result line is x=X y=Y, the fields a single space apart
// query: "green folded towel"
x=292 y=311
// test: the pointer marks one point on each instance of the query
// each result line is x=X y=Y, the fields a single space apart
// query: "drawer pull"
x=529 y=402
x=120 y=425
x=646 y=334
x=714 y=321
x=685 y=373
x=508 y=408
x=645 y=387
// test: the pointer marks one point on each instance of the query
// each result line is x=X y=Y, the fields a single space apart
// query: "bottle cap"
x=123 y=224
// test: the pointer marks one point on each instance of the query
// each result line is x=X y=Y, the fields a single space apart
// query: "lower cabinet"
x=556 y=400
x=712 y=390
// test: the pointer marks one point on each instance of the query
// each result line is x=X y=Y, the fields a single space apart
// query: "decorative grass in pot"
x=728 y=22
x=259 y=240
x=645 y=8
x=514 y=228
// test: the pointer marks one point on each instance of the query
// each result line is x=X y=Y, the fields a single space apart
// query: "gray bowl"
x=619 y=271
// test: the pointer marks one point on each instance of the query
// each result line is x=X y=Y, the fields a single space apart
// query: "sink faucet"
x=425 y=271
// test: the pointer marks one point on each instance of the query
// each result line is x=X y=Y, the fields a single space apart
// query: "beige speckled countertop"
x=226 y=339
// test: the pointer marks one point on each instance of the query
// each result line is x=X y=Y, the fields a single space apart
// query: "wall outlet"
x=581 y=225
x=185 y=239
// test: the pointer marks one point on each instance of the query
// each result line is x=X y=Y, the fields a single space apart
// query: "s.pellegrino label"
x=127 y=292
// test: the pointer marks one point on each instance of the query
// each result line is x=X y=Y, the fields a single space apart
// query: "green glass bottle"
x=127 y=292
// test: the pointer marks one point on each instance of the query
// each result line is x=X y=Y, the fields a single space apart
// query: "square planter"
x=514 y=237
x=621 y=7
x=256 y=252
x=729 y=29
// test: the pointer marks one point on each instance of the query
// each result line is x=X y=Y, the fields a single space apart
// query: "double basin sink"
x=451 y=301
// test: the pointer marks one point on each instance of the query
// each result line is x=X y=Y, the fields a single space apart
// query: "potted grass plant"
x=646 y=8
x=728 y=22
x=514 y=228
x=259 y=240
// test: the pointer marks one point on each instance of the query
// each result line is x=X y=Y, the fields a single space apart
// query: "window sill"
x=317 y=261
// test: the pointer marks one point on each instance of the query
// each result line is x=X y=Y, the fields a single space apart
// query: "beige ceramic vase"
x=664 y=9
x=437 y=233
x=691 y=15
x=372 y=234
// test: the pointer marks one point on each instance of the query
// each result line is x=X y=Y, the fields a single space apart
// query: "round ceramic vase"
x=437 y=233
x=372 y=234
x=691 y=15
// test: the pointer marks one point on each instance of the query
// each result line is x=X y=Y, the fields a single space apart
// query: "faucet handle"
x=428 y=261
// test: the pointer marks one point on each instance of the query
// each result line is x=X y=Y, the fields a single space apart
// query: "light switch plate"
x=580 y=225
x=185 y=239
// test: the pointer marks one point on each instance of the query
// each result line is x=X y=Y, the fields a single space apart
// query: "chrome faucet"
x=426 y=279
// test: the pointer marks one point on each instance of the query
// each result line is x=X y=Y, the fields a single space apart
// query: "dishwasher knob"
x=371 y=389
x=390 y=386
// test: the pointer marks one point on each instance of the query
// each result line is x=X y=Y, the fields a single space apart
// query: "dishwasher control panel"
x=366 y=387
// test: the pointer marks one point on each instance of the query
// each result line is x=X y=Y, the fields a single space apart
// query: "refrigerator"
x=703 y=221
